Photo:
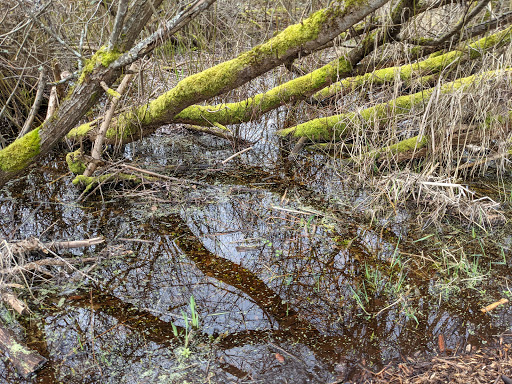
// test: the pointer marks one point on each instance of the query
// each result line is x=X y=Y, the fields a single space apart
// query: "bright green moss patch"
x=433 y=64
x=101 y=57
x=80 y=131
x=413 y=143
x=75 y=162
x=245 y=110
x=113 y=93
x=338 y=126
x=18 y=154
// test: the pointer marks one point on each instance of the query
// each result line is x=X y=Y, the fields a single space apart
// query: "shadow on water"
x=284 y=292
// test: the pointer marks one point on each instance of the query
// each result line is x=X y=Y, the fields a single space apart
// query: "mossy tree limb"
x=297 y=40
x=100 y=68
x=254 y=107
x=459 y=39
x=433 y=64
x=339 y=126
x=302 y=87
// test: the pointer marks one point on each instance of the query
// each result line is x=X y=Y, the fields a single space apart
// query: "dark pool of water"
x=288 y=286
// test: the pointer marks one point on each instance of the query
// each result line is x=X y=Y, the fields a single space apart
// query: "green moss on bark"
x=434 y=64
x=79 y=132
x=100 y=57
x=413 y=143
x=338 y=126
x=19 y=154
x=215 y=80
x=75 y=162
x=245 y=110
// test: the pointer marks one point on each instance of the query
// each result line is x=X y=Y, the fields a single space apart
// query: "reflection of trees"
x=312 y=310
x=292 y=325
x=378 y=338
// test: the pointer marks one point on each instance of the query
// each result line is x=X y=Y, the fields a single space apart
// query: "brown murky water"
x=288 y=287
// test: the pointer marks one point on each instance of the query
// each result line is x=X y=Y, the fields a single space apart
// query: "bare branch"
x=37 y=103
x=171 y=27
x=118 y=24
x=455 y=30
x=50 y=32
x=141 y=12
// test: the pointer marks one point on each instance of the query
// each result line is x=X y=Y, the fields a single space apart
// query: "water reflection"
x=323 y=294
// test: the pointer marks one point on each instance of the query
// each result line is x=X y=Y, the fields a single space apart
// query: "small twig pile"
x=438 y=196
x=17 y=269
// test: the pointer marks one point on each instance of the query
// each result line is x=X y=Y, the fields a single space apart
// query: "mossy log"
x=105 y=66
x=254 y=107
x=411 y=144
x=26 y=361
x=406 y=73
x=339 y=126
x=297 y=40
x=301 y=87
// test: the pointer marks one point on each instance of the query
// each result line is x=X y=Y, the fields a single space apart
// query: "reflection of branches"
x=153 y=328
x=294 y=326
x=160 y=331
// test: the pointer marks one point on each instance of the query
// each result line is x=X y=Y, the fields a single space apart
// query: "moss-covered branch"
x=297 y=89
x=433 y=64
x=338 y=126
x=299 y=39
x=411 y=144
x=104 y=66
x=302 y=87
x=18 y=155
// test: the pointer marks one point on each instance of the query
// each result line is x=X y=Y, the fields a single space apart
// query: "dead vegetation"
x=485 y=365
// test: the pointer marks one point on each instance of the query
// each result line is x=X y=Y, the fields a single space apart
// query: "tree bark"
x=297 y=40
x=339 y=126
x=431 y=65
x=27 y=362
x=104 y=66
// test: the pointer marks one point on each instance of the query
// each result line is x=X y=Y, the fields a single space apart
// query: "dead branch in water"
x=25 y=361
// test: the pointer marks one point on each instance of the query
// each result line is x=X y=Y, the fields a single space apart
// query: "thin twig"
x=236 y=154
x=131 y=167
x=37 y=103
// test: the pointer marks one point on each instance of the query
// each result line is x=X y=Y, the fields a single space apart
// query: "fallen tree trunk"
x=297 y=40
x=104 y=66
x=431 y=65
x=254 y=107
x=339 y=126
x=304 y=86
x=417 y=52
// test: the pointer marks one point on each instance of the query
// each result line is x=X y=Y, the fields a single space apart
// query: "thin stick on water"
x=236 y=154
